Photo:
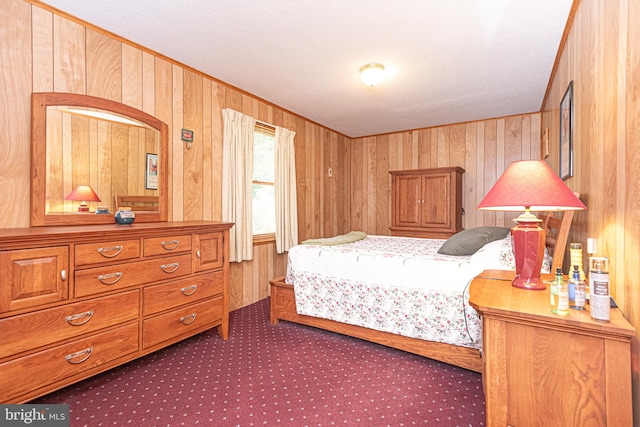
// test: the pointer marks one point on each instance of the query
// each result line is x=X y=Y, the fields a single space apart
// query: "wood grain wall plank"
x=15 y=85
x=207 y=153
x=104 y=66
x=148 y=83
x=132 y=77
x=192 y=183
x=176 y=168
x=42 y=33
x=69 y=63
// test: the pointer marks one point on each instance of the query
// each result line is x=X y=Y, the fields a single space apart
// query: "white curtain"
x=285 y=191
x=237 y=180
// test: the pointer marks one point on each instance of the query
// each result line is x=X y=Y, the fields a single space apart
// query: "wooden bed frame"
x=283 y=307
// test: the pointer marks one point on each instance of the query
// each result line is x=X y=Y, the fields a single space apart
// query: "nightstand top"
x=491 y=294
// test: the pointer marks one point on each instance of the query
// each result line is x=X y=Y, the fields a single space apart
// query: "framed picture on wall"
x=566 y=133
x=151 y=176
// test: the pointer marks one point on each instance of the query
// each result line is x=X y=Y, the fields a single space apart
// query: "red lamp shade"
x=529 y=185
x=83 y=194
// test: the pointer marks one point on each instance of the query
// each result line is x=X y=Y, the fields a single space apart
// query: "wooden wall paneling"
x=235 y=285
x=163 y=94
x=68 y=56
x=443 y=146
x=382 y=186
x=470 y=182
x=481 y=187
x=629 y=283
x=457 y=145
x=395 y=151
x=409 y=160
x=119 y=159
x=132 y=76
x=104 y=158
x=148 y=84
x=302 y=188
x=15 y=56
x=233 y=99
x=247 y=279
x=621 y=118
x=192 y=182
x=357 y=195
x=345 y=184
x=207 y=153
x=317 y=182
x=370 y=172
x=42 y=35
x=134 y=146
x=176 y=172
x=104 y=66
x=218 y=95
x=424 y=149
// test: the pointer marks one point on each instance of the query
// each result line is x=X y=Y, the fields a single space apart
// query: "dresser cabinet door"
x=33 y=277
x=209 y=251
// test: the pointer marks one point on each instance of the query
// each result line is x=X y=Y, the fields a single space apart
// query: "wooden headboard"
x=556 y=226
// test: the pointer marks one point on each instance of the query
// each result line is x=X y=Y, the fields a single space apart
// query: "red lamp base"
x=528 y=250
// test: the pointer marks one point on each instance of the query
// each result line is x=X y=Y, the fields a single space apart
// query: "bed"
x=447 y=332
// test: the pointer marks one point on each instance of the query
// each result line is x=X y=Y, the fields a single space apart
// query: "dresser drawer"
x=25 y=374
x=97 y=253
x=167 y=245
x=33 y=330
x=102 y=279
x=170 y=295
x=164 y=327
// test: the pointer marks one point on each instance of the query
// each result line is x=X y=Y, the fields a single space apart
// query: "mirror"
x=117 y=150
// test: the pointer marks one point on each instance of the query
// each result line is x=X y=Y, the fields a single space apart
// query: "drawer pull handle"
x=189 y=290
x=187 y=320
x=103 y=278
x=86 y=353
x=170 y=268
x=63 y=275
x=170 y=245
x=80 y=318
x=117 y=249
x=198 y=253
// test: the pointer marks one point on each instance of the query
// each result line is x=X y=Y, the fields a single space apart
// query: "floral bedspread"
x=392 y=284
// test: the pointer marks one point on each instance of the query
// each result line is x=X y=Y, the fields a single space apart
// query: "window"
x=263 y=194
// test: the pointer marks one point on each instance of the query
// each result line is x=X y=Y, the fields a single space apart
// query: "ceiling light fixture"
x=372 y=74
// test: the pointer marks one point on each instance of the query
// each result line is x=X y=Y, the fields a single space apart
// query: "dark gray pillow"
x=467 y=242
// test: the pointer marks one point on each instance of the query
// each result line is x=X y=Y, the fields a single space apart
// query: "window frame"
x=268 y=130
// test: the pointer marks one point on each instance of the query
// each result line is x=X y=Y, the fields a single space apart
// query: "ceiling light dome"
x=372 y=74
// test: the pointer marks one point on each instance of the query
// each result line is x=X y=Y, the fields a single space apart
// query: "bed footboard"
x=283 y=307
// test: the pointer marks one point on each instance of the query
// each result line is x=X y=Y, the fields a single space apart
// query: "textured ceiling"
x=448 y=61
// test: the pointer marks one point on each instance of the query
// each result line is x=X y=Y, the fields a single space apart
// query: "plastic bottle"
x=577 y=292
x=559 y=295
x=600 y=303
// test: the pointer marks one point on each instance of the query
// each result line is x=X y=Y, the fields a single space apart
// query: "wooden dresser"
x=426 y=202
x=76 y=301
x=541 y=369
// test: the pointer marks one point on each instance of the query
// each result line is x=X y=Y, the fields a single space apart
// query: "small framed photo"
x=566 y=134
x=151 y=176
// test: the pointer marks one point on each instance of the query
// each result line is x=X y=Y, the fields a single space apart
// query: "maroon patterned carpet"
x=289 y=375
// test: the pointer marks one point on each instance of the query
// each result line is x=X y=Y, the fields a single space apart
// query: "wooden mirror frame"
x=39 y=104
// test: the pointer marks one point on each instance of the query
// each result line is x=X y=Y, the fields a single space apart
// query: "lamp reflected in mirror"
x=83 y=194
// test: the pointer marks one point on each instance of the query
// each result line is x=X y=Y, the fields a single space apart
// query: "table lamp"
x=529 y=185
x=83 y=194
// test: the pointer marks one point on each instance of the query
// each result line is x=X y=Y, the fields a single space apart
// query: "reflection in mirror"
x=101 y=152
x=86 y=151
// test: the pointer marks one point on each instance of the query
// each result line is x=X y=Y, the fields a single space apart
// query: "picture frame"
x=151 y=175
x=544 y=144
x=566 y=134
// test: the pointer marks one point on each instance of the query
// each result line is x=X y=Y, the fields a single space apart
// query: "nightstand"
x=545 y=369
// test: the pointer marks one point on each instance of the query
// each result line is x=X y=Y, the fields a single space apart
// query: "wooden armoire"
x=426 y=202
